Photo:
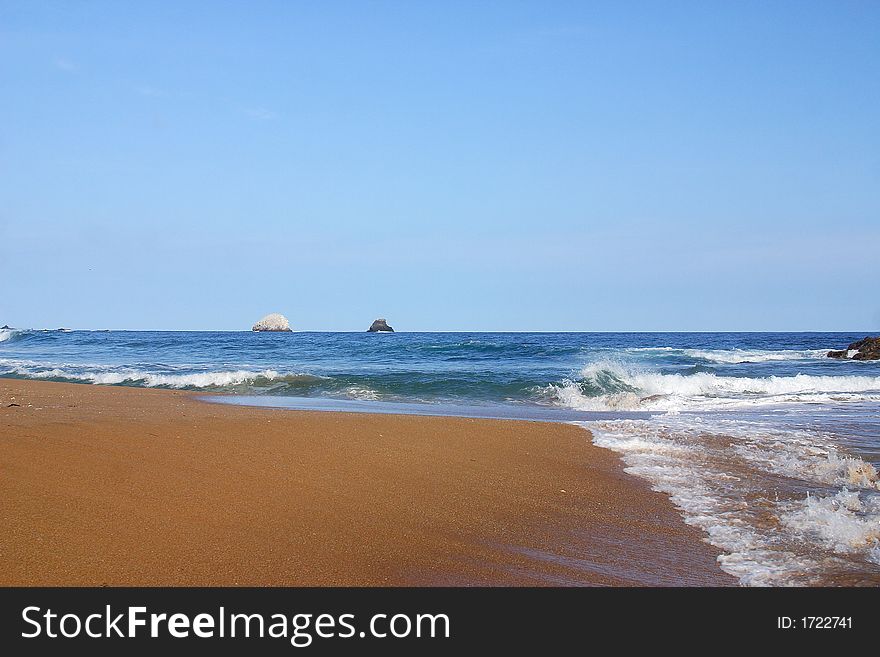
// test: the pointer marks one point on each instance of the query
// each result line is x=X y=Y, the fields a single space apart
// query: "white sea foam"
x=799 y=459
x=8 y=334
x=732 y=356
x=845 y=523
x=113 y=376
x=753 y=355
x=608 y=385
x=361 y=392
x=217 y=379
x=722 y=473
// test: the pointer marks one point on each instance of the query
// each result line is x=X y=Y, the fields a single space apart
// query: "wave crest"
x=7 y=335
x=733 y=356
x=192 y=380
x=607 y=385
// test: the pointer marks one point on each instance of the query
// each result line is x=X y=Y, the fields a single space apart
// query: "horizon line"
x=151 y=330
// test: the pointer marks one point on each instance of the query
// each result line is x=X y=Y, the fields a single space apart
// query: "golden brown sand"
x=121 y=486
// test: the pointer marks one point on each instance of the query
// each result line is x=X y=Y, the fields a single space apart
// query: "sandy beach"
x=123 y=486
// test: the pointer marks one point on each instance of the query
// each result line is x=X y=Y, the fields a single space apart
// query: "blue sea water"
x=760 y=440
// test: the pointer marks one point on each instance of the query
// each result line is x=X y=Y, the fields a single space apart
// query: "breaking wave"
x=241 y=381
x=608 y=385
x=134 y=377
x=10 y=334
x=732 y=356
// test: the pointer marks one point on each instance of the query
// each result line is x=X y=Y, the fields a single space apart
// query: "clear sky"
x=450 y=166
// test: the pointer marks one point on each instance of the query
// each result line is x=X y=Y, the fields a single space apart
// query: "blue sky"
x=449 y=166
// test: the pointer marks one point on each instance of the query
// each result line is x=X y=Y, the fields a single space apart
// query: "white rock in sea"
x=273 y=322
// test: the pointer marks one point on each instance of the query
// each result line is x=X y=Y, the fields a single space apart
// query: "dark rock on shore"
x=866 y=349
x=380 y=326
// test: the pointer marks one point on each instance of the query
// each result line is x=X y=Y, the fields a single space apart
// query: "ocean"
x=760 y=440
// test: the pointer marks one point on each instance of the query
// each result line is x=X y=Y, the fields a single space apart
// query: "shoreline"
x=486 y=411
x=112 y=485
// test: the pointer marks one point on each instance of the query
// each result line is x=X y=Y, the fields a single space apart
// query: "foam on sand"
x=742 y=483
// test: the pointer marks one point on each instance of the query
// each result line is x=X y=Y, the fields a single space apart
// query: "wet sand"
x=123 y=486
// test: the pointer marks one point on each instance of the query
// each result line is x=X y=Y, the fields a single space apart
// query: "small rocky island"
x=867 y=349
x=274 y=322
x=380 y=326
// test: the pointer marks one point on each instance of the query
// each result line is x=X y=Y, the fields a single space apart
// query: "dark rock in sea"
x=866 y=349
x=5 y=326
x=380 y=326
